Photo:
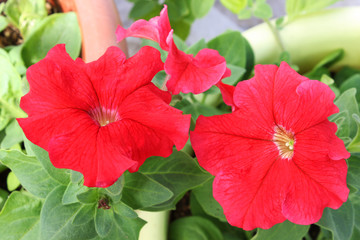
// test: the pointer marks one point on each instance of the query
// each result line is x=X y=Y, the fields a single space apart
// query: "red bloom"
x=277 y=157
x=101 y=118
x=187 y=73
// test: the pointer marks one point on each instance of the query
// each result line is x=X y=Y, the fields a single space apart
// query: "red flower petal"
x=227 y=92
x=156 y=29
x=101 y=118
x=193 y=74
x=309 y=103
x=274 y=157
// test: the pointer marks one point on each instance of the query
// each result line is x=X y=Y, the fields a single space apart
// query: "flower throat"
x=284 y=140
x=104 y=116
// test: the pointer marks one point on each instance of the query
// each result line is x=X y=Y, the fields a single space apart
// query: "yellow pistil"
x=284 y=140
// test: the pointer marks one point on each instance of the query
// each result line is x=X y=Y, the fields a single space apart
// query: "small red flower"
x=277 y=157
x=101 y=118
x=187 y=73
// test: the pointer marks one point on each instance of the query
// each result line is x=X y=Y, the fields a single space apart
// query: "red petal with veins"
x=193 y=74
x=277 y=157
x=101 y=118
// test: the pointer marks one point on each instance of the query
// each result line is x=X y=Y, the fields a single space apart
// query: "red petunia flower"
x=101 y=118
x=277 y=157
x=187 y=73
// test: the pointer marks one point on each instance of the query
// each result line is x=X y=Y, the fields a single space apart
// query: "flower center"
x=284 y=140
x=104 y=116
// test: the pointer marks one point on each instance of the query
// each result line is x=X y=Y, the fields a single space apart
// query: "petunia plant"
x=215 y=144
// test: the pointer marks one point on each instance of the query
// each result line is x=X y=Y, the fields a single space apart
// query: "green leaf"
x=179 y=173
x=127 y=228
x=85 y=214
x=196 y=109
x=234 y=6
x=89 y=197
x=262 y=10
x=348 y=106
x=30 y=172
x=20 y=216
x=75 y=176
x=282 y=231
x=13 y=135
x=181 y=29
x=55 y=29
x=353 y=176
x=56 y=219
x=25 y=14
x=194 y=228
x=145 y=9
x=60 y=175
x=196 y=47
x=72 y=190
x=117 y=187
x=201 y=7
x=340 y=222
x=103 y=221
x=141 y=191
x=235 y=48
x=204 y=197
x=236 y=74
x=3 y=23
x=124 y=210
x=245 y=13
x=295 y=8
x=354 y=146
x=3 y=196
x=352 y=82
x=12 y=182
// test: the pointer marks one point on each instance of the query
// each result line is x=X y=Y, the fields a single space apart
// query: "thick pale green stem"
x=156 y=226
x=310 y=38
x=14 y=111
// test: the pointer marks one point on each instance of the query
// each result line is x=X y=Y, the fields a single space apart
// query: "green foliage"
x=13 y=135
x=282 y=231
x=3 y=196
x=204 y=197
x=19 y=219
x=12 y=182
x=262 y=10
x=3 y=23
x=195 y=228
x=25 y=14
x=340 y=222
x=295 y=8
x=352 y=82
x=50 y=32
x=201 y=7
x=234 y=6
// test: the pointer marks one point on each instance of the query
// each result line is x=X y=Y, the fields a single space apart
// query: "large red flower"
x=101 y=118
x=277 y=156
x=187 y=73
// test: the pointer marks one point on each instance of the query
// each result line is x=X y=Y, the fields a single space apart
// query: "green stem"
x=14 y=111
x=276 y=34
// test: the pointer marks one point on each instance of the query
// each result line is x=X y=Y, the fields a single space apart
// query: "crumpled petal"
x=193 y=74
x=156 y=29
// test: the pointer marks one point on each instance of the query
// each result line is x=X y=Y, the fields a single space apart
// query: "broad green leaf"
x=103 y=221
x=61 y=175
x=75 y=176
x=3 y=23
x=196 y=47
x=13 y=135
x=177 y=10
x=340 y=222
x=348 y=106
x=117 y=187
x=85 y=214
x=124 y=210
x=245 y=13
x=196 y=109
x=295 y=8
x=181 y=29
x=262 y=10
x=344 y=74
x=20 y=216
x=72 y=190
x=141 y=191
x=179 y=173
x=30 y=172
x=159 y=79
x=204 y=197
x=145 y=9
x=127 y=228
x=235 y=48
x=55 y=29
x=56 y=219
x=88 y=197
x=354 y=146
x=353 y=176
x=3 y=196
x=234 y=6
x=352 y=82
x=283 y=231
x=201 y=7
x=236 y=74
x=194 y=228
x=12 y=182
